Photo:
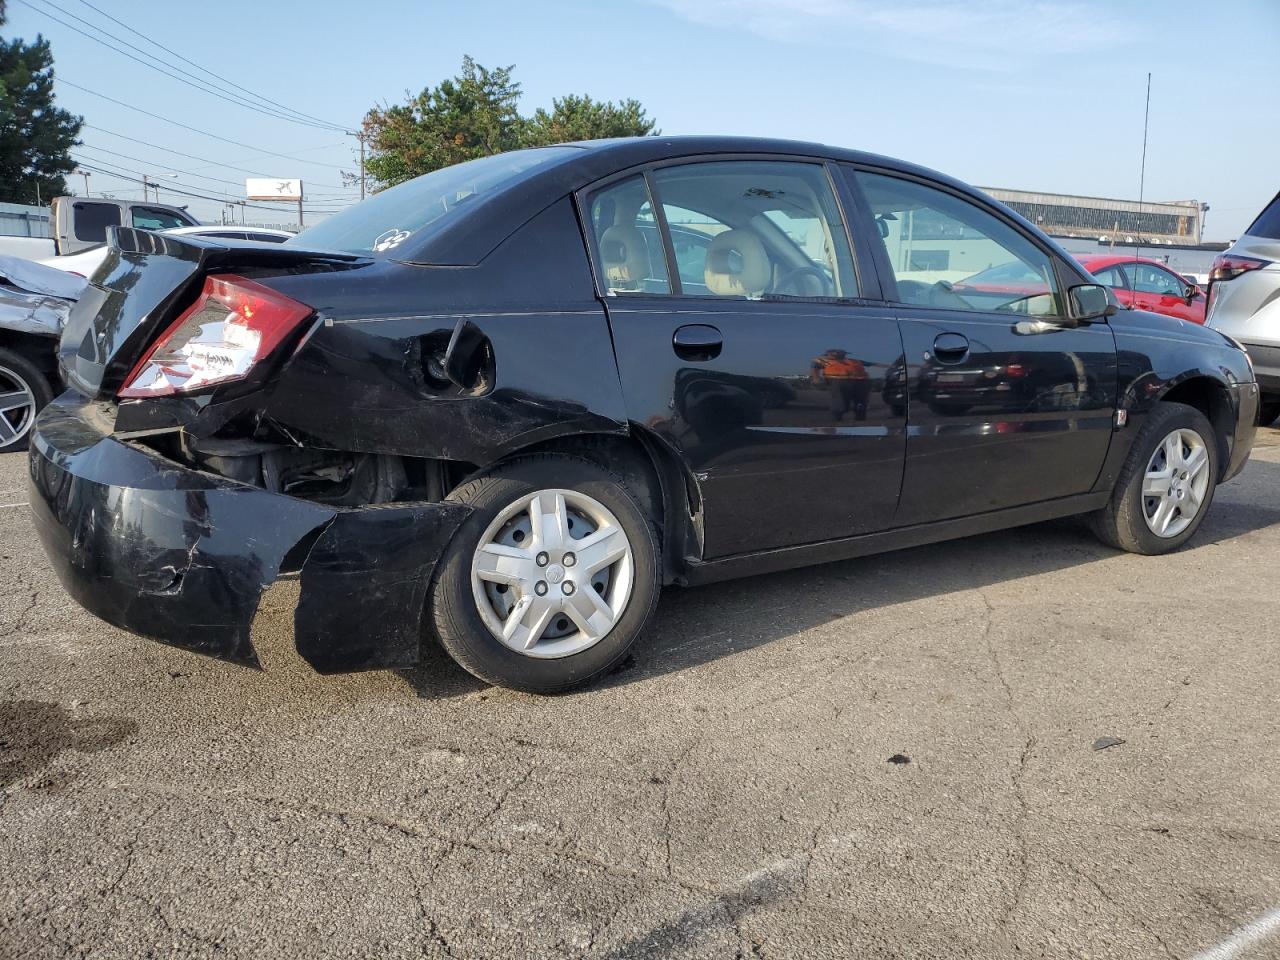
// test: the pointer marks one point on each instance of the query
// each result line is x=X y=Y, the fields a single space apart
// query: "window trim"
x=1063 y=275
x=582 y=195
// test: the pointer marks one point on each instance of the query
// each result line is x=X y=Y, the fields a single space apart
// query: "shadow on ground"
x=695 y=626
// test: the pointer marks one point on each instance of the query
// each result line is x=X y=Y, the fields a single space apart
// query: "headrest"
x=737 y=265
x=625 y=257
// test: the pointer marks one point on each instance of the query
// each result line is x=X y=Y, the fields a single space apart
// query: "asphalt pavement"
x=1018 y=745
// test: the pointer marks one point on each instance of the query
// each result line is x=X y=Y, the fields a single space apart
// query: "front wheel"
x=551 y=579
x=1166 y=485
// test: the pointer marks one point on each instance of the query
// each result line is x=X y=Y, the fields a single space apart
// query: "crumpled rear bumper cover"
x=183 y=556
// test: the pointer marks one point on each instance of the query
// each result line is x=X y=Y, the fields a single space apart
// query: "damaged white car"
x=34 y=303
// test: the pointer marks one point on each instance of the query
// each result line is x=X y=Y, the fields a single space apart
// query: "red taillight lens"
x=1015 y=370
x=1227 y=267
x=233 y=324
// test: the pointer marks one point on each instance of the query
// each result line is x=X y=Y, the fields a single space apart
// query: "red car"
x=1147 y=285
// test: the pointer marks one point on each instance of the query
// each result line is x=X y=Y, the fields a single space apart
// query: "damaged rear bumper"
x=183 y=556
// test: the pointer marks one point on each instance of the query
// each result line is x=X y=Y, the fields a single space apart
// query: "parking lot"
x=889 y=757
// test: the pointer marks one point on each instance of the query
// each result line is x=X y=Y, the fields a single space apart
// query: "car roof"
x=469 y=239
x=1100 y=261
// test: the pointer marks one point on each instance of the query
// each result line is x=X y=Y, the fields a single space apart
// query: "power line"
x=192 y=156
x=238 y=184
x=103 y=168
x=184 y=126
x=205 y=70
x=182 y=76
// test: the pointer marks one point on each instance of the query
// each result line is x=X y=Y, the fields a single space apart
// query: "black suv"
x=505 y=403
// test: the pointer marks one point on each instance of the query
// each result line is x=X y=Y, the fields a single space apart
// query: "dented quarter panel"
x=34 y=313
x=364 y=381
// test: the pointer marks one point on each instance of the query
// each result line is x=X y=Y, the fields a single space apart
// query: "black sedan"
x=503 y=404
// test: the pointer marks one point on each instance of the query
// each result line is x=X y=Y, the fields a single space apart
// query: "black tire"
x=1268 y=411
x=1122 y=523
x=457 y=621
x=17 y=370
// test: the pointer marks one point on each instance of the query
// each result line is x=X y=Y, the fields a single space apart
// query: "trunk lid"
x=146 y=279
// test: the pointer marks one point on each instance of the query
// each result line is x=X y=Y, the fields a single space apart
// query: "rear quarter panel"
x=367 y=378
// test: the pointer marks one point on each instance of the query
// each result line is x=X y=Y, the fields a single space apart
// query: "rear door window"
x=92 y=220
x=628 y=245
x=756 y=229
x=1112 y=277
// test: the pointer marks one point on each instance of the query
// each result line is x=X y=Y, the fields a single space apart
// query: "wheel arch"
x=666 y=486
x=1211 y=397
x=41 y=352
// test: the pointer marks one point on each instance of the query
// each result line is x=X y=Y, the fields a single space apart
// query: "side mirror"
x=1091 y=301
x=1192 y=292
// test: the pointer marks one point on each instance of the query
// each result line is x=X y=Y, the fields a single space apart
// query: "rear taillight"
x=1228 y=267
x=233 y=324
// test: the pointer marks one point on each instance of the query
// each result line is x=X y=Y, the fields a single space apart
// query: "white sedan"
x=86 y=261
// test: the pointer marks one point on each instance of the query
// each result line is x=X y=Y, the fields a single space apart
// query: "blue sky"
x=1038 y=94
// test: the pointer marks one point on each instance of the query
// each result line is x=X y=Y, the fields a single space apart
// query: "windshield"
x=414 y=208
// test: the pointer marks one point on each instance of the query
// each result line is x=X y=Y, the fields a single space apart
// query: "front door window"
x=949 y=253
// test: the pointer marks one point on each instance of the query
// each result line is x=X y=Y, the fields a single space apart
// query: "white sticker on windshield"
x=390 y=238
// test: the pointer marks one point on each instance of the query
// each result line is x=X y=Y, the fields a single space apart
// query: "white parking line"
x=22 y=504
x=1252 y=932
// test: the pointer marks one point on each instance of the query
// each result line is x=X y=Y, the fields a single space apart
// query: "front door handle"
x=697 y=341
x=950 y=347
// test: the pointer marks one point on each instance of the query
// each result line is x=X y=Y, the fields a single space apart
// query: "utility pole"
x=360 y=137
x=145 y=185
x=85 y=174
x=300 y=193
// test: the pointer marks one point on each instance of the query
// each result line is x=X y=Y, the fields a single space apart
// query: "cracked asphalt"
x=728 y=793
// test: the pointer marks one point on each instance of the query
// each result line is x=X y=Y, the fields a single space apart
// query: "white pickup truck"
x=80 y=222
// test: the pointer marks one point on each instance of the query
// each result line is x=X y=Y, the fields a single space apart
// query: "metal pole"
x=300 y=192
x=85 y=174
x=145 y=185
x=360 y=137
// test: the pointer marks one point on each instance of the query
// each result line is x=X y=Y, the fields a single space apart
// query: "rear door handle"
x=950 y=347
x=697 y=341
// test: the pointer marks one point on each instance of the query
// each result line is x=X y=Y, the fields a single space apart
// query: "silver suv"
x=1244 y=302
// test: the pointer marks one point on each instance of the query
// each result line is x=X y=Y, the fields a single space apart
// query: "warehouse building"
x=1178 y=222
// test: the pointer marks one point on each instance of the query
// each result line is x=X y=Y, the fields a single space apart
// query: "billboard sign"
x=263 y=188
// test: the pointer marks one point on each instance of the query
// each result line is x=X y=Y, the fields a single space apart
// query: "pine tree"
x=35 y=135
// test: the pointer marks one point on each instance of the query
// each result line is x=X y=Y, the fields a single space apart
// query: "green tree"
x=476 y=114
x=472 y=115
x=581 y=118
x=35 y=135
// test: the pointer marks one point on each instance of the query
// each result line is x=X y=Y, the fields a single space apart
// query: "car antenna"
x=1142 y=173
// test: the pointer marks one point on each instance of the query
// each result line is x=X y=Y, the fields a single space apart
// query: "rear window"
x=1268 y=223
x=92 y=220
x=420 y=206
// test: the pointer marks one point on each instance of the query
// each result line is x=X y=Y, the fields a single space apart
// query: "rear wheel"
x=1268 y=411
x=551 y=579
x=24 y=391
x=1166 y=485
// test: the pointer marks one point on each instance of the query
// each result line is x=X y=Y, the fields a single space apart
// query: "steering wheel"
x=798 y=272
